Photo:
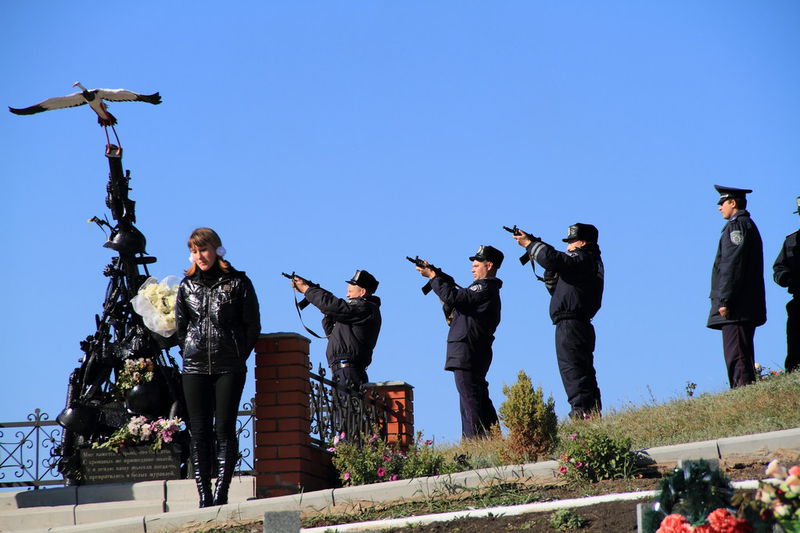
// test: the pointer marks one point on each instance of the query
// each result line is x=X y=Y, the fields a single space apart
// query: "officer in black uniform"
x=474 y=314
x=738 y=304
x=352 y=325
x=786 y=272
x=574 y=280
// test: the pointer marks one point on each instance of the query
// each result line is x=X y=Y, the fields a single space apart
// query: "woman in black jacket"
x=218 y=324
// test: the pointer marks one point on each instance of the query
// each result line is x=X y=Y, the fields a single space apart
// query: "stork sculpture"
x=95 y=98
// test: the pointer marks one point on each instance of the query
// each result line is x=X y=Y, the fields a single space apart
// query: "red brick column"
x=399 y=397
x=285 y=461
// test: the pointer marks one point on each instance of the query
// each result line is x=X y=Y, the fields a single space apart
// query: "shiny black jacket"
x=737 y=278
x=352 y=324
x=786 y=270
x=475 y=313
x=574 y=279
x=218 y=325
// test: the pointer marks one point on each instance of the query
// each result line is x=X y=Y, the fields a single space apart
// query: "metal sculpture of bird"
x=95 y=98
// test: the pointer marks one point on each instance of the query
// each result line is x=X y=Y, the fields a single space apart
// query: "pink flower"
x=373 y=438
x=774 y=469
x=393 y=477
x=386 y=459
x=346 y=476
x=428 y=442
x=792 y=484
x=579 y=464
x=331 y=449
x=342 y=435
x=563 y=470
x=573 y=436
x=381 y=472
x=794 y=471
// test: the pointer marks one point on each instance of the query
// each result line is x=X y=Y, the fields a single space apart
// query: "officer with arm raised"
x=574 y=280
x=352 y=325
x=474 y=315
x=786 y=272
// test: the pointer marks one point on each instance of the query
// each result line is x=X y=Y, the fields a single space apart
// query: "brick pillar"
x=399 y=396
x=285 y=462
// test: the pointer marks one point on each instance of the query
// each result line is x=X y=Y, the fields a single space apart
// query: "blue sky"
x=323 y=137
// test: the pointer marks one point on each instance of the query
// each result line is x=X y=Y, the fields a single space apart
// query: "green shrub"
x=595 y=455
x=567 y=520
x=532 y=423
x=375 y=460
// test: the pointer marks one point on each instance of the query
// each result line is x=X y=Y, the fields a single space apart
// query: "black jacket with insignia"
x=579 y=277
x=475 y=315
x=737 y=278
x=218 y=323
x=353 y=325
x=786 y=270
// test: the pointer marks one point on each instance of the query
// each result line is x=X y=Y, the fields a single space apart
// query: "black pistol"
x=524 y=258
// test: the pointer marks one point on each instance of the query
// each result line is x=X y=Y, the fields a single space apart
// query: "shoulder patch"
x=737 y=237
x=477 y=287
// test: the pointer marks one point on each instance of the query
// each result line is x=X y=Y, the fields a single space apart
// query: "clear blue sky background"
x=325 y=137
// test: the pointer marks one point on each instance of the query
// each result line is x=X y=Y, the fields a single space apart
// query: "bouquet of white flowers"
x=155 y=302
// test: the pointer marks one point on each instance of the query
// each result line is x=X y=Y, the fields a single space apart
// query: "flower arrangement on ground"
x=777 y=499
x=139 y=430
x=375 y=460
x=135 y=372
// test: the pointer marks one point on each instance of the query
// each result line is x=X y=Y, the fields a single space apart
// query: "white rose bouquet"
x=155 y=302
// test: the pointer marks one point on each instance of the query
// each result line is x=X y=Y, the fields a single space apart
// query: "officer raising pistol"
x=786 y=272
x=574 y=280
x=352 y=325
x=738 y=304
x=475 y=314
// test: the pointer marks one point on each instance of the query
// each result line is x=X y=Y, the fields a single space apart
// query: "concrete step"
x=38 y=510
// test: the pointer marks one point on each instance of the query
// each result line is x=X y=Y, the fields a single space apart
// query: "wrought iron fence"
x=26 y=448
x=336 y=409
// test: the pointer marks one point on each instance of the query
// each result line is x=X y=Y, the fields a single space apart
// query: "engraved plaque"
x=138 y=463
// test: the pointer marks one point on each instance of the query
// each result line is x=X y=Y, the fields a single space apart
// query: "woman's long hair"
x=205 y=237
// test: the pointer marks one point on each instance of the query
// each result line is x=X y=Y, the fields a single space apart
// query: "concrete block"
x=37 y=517
x=44 y=497
x=88 y=513
x=121 y=525
x=209 y=515
x=8 y=500
x=120 y=492
x=387 y=491
x=282 y=522
x=675 y=452
x=774 y=440
x=182 y=491
x=255 y=509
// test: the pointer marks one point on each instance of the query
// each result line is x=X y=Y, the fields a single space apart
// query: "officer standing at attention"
x=786 y=272
x=738 y=305
x=352 y=325
x=574 y=280
x=474 y=315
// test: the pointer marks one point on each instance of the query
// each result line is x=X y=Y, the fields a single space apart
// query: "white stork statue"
x=95 y=99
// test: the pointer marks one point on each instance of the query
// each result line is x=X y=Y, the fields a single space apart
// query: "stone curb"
x=406 y=489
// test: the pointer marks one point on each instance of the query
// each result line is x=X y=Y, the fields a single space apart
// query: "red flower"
x=674 y=523
x=381 y=472
x=722 y=521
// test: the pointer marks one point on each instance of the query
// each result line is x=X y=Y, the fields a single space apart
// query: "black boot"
x=201 y=463
x=227 y=456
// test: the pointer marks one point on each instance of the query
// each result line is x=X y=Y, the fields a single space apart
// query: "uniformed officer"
x=786 y=272
x=574 y=280
x=738 y=305
x=352 y=325
x=474 y=315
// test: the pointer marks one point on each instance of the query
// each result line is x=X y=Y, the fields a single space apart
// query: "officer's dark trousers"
x=792 y=334
x=477 y=410
x=740 y=356
x=350 y=376
x=575 y=340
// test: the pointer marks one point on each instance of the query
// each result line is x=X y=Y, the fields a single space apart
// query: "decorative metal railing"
x=26 y=447
x=336 y=409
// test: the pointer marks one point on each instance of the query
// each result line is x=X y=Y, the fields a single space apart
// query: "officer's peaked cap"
x=365 y=280
x=581 y=232
x=728 y=193
x=488 y=253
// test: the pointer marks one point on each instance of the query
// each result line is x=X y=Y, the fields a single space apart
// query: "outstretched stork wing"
x=123 y=95
x=58 y=102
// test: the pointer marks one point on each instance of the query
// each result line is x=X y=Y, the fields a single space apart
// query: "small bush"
x=567 y=520
x=595 y=455
x=375 y=460
x=532 y=424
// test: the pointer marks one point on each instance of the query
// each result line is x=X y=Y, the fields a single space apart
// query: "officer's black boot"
x=227 y=456
x=201 y=463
